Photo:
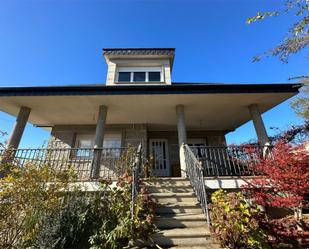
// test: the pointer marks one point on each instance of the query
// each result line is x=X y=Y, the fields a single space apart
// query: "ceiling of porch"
x=202 y=111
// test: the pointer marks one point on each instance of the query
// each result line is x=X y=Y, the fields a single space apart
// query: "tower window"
x=124 y=76
x=139 y=76
x=154 y=76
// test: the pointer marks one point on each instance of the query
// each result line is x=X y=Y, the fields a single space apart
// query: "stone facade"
x=134 y=134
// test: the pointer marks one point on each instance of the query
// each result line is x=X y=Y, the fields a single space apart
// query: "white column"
x=98 y=141
x=182 y=136
x=19 y=128
x=101 y=122
x=181 y=127
x=258 y=124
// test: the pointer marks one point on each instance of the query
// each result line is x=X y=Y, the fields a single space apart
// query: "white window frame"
x=131 y=70
x=90 y=137
x=107 y=136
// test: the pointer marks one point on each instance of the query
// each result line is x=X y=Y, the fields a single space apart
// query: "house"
x=140 y=104
x=182 y=126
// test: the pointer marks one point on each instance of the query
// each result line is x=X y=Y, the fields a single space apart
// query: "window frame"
x=130 y=75
x=91 y=137
x=133 y=70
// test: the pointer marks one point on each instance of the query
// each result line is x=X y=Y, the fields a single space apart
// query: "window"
x=85 y=145
x=139 y=76
x=124 y=77
x=154 y=76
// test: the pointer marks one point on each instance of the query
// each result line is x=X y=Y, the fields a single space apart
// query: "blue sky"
x=60 y=42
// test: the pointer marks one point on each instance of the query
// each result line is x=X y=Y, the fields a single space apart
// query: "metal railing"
x=136 y=170
x=80 y=160
x=194 y=172
x=229 y=160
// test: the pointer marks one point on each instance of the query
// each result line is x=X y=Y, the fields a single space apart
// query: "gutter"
x=148 y=89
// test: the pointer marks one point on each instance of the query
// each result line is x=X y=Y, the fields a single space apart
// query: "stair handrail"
x=194 y=171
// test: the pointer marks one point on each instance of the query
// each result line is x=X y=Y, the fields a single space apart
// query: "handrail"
x=136 y=169
x=194 y=172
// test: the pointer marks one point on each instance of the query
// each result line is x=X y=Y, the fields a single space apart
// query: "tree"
x=284 y=179
x=282 y=183
x=296 y=40
x=297 y=134
x=301 y=103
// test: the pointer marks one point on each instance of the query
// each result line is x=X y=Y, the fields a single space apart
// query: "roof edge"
x=150 y=89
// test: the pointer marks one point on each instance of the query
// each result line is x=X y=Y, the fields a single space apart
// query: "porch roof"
x=175 y=88
x=207 y=106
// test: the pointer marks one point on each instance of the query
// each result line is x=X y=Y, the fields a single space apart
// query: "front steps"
x=179 y=218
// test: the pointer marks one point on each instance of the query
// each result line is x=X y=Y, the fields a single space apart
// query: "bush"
x=235 y=224
x=285 y=232
x=27 y=195
x=118 y=227
x=68 y=226
x=38 y=209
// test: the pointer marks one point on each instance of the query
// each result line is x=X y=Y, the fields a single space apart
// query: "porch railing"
x=81 y=160
x=195 y=174
x=229 y=160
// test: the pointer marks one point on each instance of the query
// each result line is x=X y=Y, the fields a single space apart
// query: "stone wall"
x=64 y=136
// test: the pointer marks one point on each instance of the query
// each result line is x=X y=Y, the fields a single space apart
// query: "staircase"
x=179 y=219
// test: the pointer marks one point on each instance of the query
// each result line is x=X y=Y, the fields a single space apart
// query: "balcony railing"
x=229 y=160
x=112 y=161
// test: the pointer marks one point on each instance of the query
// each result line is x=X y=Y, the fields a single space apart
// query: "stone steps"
x=180 y=221
x=179 y=218
x=179 y=208
x=174 y=197
x=182 y=236
x=169 y=189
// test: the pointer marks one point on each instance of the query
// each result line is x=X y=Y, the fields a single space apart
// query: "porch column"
x=182 y=136
x=98 y=141
x=258 y=124
x=19 y=128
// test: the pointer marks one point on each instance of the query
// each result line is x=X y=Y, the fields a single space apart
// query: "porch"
x=92 y=126
x=92 y=164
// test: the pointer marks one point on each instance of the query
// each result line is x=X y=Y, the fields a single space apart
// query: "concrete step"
x=208 y=246
x=174 y=208
x=183 y=237
x=174 y=197
x=169 y=189
x=182 y=220
x=167 y=182
x=164 y=179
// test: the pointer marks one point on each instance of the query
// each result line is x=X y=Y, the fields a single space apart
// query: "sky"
x=60 y=43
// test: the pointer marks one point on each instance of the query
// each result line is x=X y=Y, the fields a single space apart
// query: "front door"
x=159 y=150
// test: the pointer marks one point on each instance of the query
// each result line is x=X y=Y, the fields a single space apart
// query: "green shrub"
x=69 y=225
x=40 y=209
x=27 y=195
x=119 y=227
x=234 y=222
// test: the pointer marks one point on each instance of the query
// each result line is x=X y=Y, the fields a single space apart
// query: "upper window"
x=154 y=76
x=139 y=74
x=124 y=76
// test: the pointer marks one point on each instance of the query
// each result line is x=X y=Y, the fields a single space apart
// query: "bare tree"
x=297 y=40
